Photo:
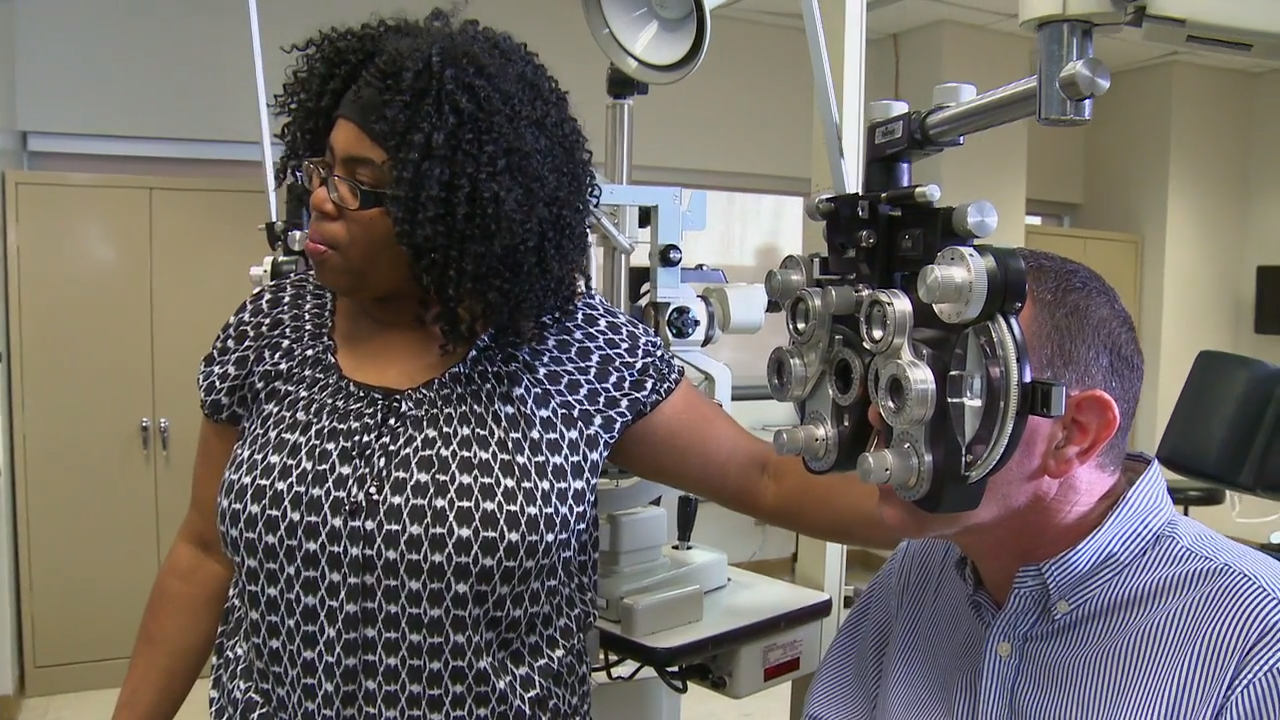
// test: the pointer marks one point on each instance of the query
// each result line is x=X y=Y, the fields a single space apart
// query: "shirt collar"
x=1132 y=525
x=1128 y=530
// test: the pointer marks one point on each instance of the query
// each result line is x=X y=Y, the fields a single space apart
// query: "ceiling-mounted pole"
x=264 y=117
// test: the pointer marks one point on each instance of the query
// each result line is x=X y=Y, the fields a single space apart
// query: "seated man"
x=1074 y=591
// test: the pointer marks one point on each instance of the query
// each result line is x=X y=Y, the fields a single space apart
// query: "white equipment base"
x=756 y=632
x=704 y=568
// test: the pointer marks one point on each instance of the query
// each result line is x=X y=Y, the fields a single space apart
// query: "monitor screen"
x=1266 y=303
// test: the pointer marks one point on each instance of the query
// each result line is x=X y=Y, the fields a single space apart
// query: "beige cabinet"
x=116 y=287
x=1115 y=256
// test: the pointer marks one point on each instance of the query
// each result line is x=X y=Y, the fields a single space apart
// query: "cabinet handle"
x=145 y=427
x=164 y=436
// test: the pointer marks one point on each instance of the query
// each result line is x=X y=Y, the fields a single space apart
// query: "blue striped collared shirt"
x=1152 y=616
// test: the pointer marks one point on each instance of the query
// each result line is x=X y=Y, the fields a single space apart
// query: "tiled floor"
x=772 y=704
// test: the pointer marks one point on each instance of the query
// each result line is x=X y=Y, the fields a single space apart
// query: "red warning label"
x=782 y=658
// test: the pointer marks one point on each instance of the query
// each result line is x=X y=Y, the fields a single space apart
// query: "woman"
x=392 y=513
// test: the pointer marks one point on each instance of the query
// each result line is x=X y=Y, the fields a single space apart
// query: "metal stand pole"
x=617 y=167
x=264 y=120
x=619 y=138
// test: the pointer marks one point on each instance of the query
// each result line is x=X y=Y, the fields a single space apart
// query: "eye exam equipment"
x=678 y=608
x=287 y=236
x=907 y=312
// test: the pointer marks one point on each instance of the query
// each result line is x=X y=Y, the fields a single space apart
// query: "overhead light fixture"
x=658 y=42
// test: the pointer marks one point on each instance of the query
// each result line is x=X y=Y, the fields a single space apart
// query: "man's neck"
x=1046 y=527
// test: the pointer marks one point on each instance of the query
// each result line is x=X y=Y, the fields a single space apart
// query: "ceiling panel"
x=1227 y=61
x=1010 y=25
x=887 y=17
x=1110 y=48
x=904 y=15
x=997 y=7
x=1119 y=54
x=782 y=7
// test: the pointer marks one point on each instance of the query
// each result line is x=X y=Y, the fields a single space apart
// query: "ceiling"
x=887 y=17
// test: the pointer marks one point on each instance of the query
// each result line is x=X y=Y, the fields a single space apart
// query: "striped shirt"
x=1152 y=616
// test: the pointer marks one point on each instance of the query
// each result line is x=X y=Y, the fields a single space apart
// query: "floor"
x=699 y=704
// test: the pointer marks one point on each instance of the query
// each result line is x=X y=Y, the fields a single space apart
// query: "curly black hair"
x=493 y=179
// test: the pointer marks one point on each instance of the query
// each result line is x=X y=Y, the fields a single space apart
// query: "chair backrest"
x=1225 y=427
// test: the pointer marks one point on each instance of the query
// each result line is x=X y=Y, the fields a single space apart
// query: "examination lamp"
x=658 y=42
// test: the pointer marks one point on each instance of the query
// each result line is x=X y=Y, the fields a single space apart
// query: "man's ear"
x=1090 y=421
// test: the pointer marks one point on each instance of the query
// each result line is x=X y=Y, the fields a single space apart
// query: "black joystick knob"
x=686 y=515
x=682 y=323
x=670 y=256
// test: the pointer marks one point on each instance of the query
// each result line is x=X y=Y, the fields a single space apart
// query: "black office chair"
x=1187 y=494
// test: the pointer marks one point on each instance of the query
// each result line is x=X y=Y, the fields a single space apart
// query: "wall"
x=991 y=166
x=10 y=158
x=1260 y=245
x=1181 y=154
x=1055 y=164
x=1263 y=212
x=161 y=69
x=1128 y=191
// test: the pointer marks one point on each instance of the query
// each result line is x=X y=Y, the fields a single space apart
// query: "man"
x=1075 y=591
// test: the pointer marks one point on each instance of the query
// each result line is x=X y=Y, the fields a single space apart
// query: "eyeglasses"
x=344 y=192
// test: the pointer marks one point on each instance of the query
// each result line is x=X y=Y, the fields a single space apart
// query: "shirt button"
x=1063 y=607
x=1004 y=649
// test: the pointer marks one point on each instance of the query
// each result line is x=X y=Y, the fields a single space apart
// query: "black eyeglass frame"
x=317 y=170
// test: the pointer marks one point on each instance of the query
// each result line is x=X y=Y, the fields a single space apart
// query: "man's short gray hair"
x=1084 y=336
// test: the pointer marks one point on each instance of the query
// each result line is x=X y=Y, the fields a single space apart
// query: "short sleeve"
x=226 y=373
x=611 y=369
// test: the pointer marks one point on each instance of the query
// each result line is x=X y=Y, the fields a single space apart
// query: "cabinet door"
x=203 y=243
x=83 y=389
x=1117 y=261
x=1072 y=248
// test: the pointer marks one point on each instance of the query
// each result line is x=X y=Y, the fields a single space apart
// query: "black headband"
x=362 y=105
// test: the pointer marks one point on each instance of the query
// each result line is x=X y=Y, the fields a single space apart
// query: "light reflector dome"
x=654 y=41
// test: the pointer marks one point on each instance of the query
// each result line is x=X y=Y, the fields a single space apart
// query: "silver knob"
x=145 y=428
x=975 y=220
x=892 y=466
x=805 y=440
x=782 y=284
x=878 y=110
x=1084 y=78
x=788 y=374
x=948 y=94
x=938 y=285
x=842 y=299
x=296 y=240
x=928 y=194
x=818 y=207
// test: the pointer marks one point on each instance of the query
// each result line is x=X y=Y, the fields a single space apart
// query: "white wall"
x=1183 y=156
x=1127 y=190
x=1262 y=212
x=10 y=157
x=991 y=166
x=162 y=69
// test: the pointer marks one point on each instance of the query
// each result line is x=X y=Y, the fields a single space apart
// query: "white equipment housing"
x=1242 y=28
